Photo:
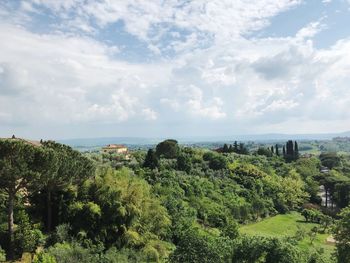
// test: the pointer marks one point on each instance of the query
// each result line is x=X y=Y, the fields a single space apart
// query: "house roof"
x=114 y=146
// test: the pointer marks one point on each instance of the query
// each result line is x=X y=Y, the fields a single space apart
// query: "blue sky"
x=175 y=68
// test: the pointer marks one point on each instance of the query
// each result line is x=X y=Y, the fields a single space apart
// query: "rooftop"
x=114 y=146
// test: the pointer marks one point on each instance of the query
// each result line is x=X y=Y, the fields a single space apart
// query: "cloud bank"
x=207 y=70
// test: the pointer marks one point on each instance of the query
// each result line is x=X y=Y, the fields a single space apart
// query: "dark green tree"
x=61 y=167
x=18 y=170
x=225 y=149
x=235 y=147
x=242 y=149
x=231 y=149
x=296 y=150
x=264 y=151
x=342 y=235
x=277 y=150
x=184 y=163
x=151 y=160
x=168 y=149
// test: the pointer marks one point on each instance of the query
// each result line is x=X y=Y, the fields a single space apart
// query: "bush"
x=44 y=258
x=27 y=237
x=2 y=255
x=196 y=246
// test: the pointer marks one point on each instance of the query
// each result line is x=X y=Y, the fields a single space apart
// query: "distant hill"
x=133 y=142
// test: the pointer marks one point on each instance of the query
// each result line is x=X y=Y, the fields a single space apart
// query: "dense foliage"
x=171 y=203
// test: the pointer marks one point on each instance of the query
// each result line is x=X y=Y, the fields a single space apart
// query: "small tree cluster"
x=291 y=151
x=316 y=216
x=236 y=147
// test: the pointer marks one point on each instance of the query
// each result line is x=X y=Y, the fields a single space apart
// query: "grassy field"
x=287 y=225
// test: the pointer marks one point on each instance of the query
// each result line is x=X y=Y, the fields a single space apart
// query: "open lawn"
x=288 y=225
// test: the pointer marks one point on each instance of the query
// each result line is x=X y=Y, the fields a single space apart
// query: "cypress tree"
x=290 y=148
x=276 y=150
x=272 y=150
x=284 y=151
x=296 y=150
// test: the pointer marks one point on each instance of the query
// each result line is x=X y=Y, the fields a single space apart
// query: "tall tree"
x=62 y=166
x=296 y=150
x=235 y=147
x=290 y=148
x=342 y=235
x=277 y=150
x=151 y=160
x=168 y=149
x=18 y=169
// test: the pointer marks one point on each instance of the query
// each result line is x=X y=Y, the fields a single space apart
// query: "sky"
x=173 y=68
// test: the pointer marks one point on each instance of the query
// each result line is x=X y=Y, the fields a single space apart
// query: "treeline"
x=234 y=148
x=170 y=204
x=289 y=151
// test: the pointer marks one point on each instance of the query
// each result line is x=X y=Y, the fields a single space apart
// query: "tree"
x=168 y=149
x=342 y=235
x=296 y=150
x=197 y=246
x=151 y=160
x=184 y=163
x=264 y=151
x=235 y=147
x=242 y=149
x=330 y=159
x=277 y=150
x=18 y=169
x=261 y=249
x=61 y=166
x=217 y=162
x=225 y=149
x=231 y=149
x=292 y=152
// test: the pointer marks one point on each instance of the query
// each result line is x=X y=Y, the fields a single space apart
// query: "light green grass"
x=287 y=225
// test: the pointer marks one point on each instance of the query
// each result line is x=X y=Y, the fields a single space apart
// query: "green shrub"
x=2 y=255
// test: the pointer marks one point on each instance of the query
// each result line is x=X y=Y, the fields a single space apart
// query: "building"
x=115 y=148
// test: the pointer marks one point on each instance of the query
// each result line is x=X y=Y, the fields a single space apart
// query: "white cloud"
x=215 y=76
x=63 y=79
x=149 y=114
x=151 y=20
x=310 y=30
